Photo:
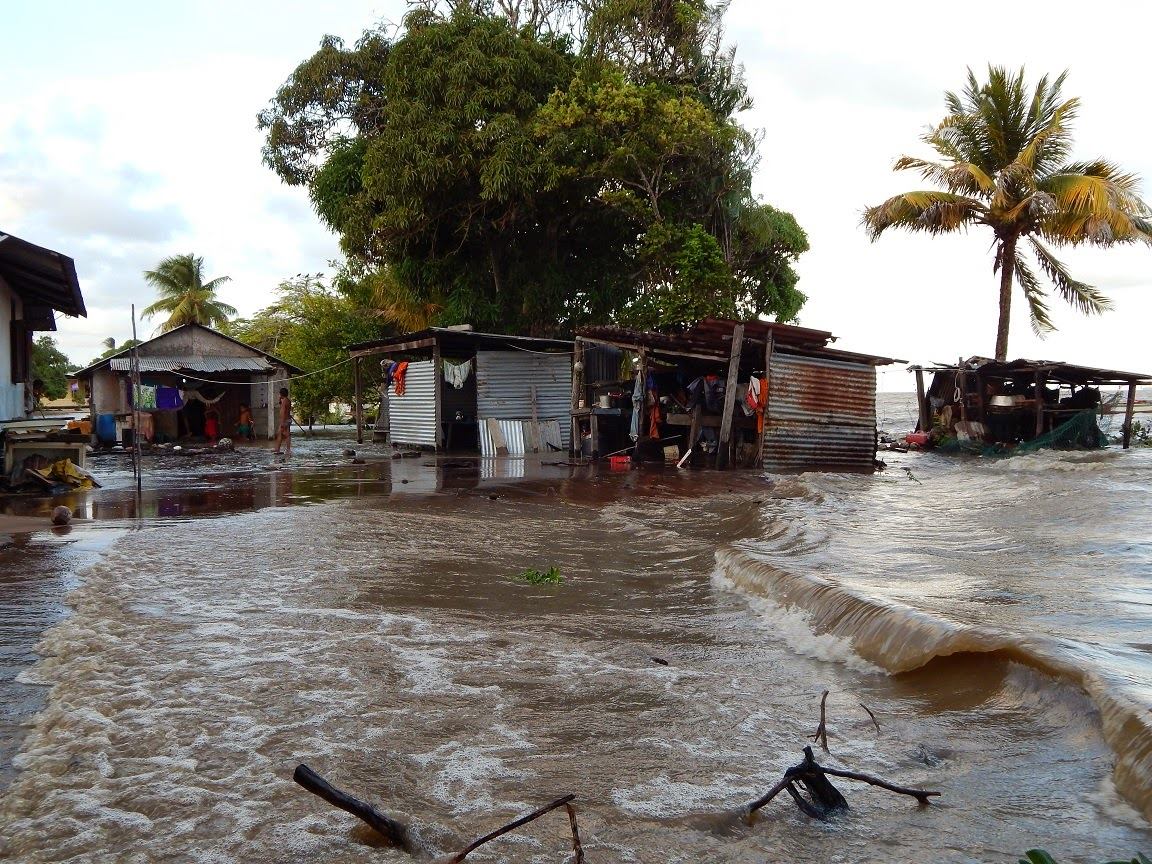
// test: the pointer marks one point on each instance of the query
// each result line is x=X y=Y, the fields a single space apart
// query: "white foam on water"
x=662 y=797
x=465 y=771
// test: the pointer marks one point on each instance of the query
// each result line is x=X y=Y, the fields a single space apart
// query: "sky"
x=128 y=134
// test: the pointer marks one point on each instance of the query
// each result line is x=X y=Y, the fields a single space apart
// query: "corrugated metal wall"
x=504 y=381
x=821 y=415
x=412 y=417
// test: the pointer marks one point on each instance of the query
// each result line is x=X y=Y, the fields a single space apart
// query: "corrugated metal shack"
x=988 y=402
x=188 y=375
x=811 y=407
x=454 y=389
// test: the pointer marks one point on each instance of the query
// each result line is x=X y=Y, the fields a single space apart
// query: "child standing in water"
x=245 y=428
x=284 y=433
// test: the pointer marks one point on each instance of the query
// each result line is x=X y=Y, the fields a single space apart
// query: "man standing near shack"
x=284 y=433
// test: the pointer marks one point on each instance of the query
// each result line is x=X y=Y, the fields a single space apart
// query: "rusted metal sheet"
x=821 y=415
x=412 y=417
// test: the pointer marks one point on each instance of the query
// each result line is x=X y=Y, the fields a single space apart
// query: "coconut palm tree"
x=1003 y=164
x=184 y=295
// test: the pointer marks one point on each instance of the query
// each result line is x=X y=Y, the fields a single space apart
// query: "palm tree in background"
x=184 y=295
x=1004 y=155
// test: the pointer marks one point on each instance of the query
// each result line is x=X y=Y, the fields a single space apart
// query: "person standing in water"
x=284 y=433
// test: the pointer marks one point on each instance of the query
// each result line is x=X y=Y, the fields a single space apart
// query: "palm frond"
x=961 y=177
x=1033 y=293
x=1083 y=297
x=1095 y=203
x=931 y=211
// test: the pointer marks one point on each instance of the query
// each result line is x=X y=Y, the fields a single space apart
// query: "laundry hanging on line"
x=398 y=373
x=144 y=398
x=457 y=373
x=168 y=399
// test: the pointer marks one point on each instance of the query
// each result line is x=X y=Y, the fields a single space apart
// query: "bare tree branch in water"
x=824 y=799
x=821 y=733
x=535 y=814
x=395 y=832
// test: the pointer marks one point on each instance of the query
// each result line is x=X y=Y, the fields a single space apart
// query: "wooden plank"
x=722 y=454
x=497 y=436
x=396 y=348
x=663 y=352
x=1126 y=437
x=359 y=400
x=642 y=370
x=694 y=429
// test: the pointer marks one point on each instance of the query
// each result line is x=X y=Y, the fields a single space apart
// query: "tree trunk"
x=1007 y=269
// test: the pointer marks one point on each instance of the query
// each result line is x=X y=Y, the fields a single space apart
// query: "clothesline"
x=289 y=378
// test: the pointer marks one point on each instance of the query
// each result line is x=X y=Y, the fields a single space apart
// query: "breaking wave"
x=899 y=639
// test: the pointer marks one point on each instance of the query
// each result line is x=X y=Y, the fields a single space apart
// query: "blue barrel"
x=106 y=428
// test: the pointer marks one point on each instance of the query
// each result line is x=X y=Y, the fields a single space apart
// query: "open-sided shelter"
x=751 y=393
x=189 y=376
x=454 y=389
x=1002 y=404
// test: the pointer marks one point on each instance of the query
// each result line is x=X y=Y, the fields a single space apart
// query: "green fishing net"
x=1080 y=432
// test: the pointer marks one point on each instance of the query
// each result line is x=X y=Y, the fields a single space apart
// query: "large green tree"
x=185 y=296
x=492 y=171
x=309 y=324
x=50 y=366
x=1004 y=163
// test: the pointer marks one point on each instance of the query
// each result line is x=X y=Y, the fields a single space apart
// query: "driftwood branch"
x=769 y=795
x=919 y=794
x=870 y=714
x=395 y=832
x=824 y=799
x=511 y=826
x=577 y=848
x=821 y=733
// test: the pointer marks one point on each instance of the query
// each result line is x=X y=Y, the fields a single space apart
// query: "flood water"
x=994 y=616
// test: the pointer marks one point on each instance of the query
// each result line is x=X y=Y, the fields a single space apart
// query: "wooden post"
x=980 y=399
x=135 y=366
x=577 y=390
x=1041 y=377
x=769 y=347
x=642 y=371
x=730 y=396
x=437 y=388
x=1126 y=435
x=694 y=429
x=359 y=401
x=922 y=402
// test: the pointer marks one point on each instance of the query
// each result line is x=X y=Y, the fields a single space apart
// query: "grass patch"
x=551 y=576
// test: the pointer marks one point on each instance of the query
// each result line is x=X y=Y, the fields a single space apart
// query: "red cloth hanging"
x=398 y=372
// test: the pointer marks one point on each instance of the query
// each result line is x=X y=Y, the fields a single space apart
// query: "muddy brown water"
x=243 y=618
